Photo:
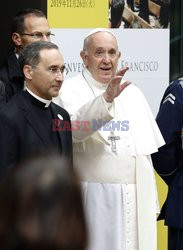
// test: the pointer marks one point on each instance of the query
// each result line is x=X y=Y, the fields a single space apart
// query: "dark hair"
x=30 y=55
x=117 y=7
x=18 y=20
x=41 y=207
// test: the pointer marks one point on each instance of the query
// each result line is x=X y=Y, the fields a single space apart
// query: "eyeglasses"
x=38 y=35
x=55 y=70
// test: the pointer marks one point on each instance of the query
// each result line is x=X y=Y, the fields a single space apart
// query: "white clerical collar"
x=17 y=55
x=89 y=78
x=47 y=102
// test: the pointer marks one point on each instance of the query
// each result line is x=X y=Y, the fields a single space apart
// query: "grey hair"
x=30 y=55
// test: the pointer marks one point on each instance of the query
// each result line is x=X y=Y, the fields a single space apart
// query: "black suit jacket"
x=11 y=77
x=23 y=132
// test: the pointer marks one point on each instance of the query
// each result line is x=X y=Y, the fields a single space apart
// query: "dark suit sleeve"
x=168 y=161
x=8 y=145
x=2 y=94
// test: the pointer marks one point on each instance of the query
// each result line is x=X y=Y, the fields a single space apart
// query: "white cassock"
x=119 y=188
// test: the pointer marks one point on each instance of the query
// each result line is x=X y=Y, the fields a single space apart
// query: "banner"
x=78 y=13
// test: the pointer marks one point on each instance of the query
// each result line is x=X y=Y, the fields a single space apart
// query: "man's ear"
x=16 y=38
x=119 y=55
x=84 y=57
x=27 y=70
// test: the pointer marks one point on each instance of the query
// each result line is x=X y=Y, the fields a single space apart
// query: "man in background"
x=168 y=162
x=29 y=25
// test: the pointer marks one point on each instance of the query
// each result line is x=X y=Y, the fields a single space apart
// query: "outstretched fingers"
x=124 y=85
x=115 y=87
x=122 y=71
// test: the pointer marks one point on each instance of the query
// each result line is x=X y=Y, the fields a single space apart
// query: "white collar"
x=90 y=80
x=47 y=102
x=17 y=55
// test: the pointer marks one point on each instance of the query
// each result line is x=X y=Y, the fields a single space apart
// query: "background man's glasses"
x=38 y=35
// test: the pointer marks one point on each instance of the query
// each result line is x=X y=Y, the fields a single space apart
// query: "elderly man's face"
x=101 y=56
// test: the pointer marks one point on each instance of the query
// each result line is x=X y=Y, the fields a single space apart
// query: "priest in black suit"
x=27 y=121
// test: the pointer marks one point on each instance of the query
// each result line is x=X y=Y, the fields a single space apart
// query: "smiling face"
x=101 y=56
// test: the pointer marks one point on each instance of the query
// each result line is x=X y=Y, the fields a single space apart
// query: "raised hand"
x=115 y=87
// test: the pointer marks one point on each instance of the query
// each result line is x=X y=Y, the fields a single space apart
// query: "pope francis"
x=112 y=149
